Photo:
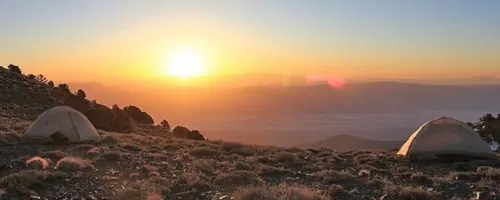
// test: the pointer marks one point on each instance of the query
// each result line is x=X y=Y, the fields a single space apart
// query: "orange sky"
x=116 y=44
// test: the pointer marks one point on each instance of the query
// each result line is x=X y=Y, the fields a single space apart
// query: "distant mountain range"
x=349 y=143
x=304 y=113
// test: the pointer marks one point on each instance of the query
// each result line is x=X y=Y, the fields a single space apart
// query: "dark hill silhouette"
x=350 y=143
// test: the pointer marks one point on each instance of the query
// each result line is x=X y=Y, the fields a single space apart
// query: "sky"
x=117 y=41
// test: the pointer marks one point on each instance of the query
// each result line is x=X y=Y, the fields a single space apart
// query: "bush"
x=131 y=146
x=237 y=179
x=421 y=178
x=493 y=173
x=111 y=155
x=204 y=152
x=281 y=192
x=335 y=177
x=231 y=145
x=464 y=176
x=23 y=181
x=399 y=193
x=337 y=192
x=37 y=163
x=15 y=69
x=243 y=151
x=138 y=115
x=288 y=159
x=183 y=132
x=74 y=164
x=109 y=140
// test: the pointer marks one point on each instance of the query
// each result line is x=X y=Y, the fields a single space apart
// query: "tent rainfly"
x=445 y=136
x=62 y=122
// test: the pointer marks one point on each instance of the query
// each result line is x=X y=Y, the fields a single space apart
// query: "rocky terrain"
x=23 y=97
x=150 y=163
x=159 y=166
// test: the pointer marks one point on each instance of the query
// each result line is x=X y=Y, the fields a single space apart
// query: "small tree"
x=31 y=77
x=50 y=83
x=165 y=125
x=80 y=93
x=63 y=86
x=15 y=69
x=488 y=127
x=41 y=78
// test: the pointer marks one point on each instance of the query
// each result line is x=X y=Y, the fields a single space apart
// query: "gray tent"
x=64 y=122
x=445 y=136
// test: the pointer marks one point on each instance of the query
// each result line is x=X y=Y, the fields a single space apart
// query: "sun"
x=185 y=62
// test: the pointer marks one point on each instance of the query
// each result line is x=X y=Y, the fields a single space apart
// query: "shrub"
x=37 y=163
x=171 y=147
x=15 y=69
x=237 y=179
x=138 y=115
x=493 y=173
x=183 y=132
x=205 y=166
x=421 y=178
x=242 y=166
x=464 y=176
x=148 y=168
x=337 y=192
x=24 y=180
x=131 y=146
x=204 y=152
x=335 y=177
x=282 y=192
x=271 y=171
x=398 y=193
x=231 y=145
x=109 y=140
x=95 y=151
x=73 y=164
x=111 y=155
x=286 y=157
x=132 y=194
x=243 y=151
x=54 y=155
x=84 y=147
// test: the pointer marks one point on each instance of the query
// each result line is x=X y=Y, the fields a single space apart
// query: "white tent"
x=445 y=136
x=62 y=121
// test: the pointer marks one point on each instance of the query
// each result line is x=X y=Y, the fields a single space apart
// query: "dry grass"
x=130 y=146
x=23 y=181
x=111 y=155
x=410 y=193
x=282 y=192
x=204 y=152
x=74 y=164
x=237 y=179
x=336 y=177
x=37 y=163
x=421 y=178
x=109 y=140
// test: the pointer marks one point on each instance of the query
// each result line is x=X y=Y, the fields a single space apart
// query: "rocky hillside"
x=24 y=97
x=158 y=166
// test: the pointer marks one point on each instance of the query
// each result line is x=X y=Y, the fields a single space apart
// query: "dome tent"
x=443 y=137
x=62 y=122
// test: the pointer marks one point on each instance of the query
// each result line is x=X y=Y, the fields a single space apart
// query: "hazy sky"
x=121 y=40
